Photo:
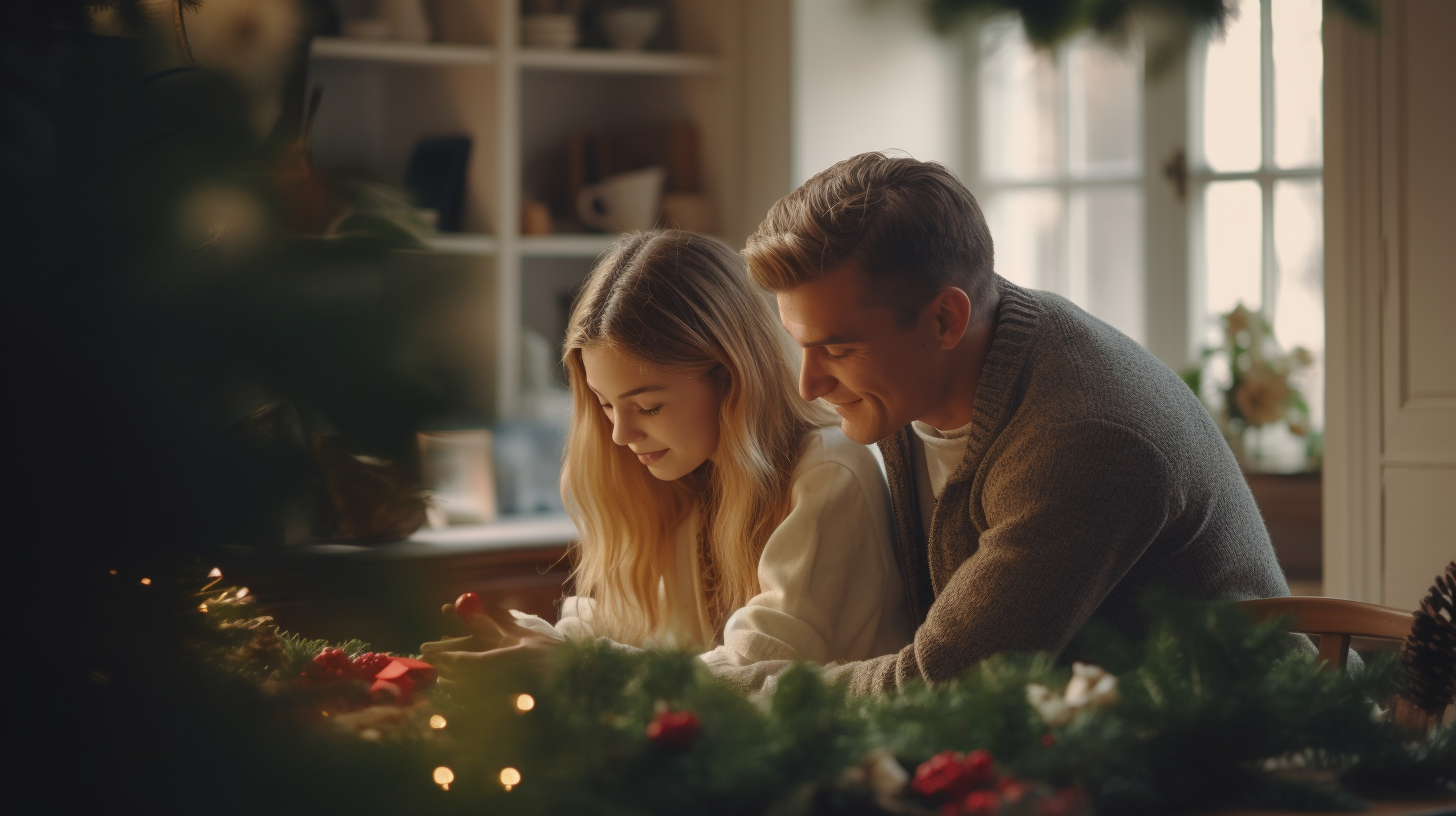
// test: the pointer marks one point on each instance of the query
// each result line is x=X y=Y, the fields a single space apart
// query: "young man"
x=1045 y=469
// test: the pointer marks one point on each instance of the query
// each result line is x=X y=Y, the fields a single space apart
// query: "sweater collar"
x=997 y=391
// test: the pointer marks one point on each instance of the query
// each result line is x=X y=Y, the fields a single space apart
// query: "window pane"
x=1298 y=82
x=1105 y=109
x=1299 y=305
x=1018 y=106
x=1233 y=240
x=1107 y=244
x=1027 y=228
x=1231 y=129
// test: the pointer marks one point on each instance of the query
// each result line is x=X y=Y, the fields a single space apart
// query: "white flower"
x=1050 y=706
x=1091 y=686
x=1262 y=396
x=884 y=774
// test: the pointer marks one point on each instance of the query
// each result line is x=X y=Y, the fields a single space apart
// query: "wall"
x=851 y=57
x=1390 y=290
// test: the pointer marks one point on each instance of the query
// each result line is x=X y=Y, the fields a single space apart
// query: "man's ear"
x=951 y=309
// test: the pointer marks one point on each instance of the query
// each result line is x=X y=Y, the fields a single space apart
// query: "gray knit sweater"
x=1092 y=474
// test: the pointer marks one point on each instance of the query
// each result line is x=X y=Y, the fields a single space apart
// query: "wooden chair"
x=1334 y=621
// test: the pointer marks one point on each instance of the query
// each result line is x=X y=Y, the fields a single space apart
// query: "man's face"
x=877 y=375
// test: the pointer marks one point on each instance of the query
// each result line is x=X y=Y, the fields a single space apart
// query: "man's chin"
x=863 y=433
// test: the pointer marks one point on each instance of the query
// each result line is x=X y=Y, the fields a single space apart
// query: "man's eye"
x=833 y=356
x=650 y=411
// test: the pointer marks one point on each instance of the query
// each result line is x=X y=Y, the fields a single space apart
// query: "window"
x=1059 y=170
x=1059 y=164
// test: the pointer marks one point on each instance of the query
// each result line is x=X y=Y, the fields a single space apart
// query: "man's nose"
x=624 y=430
x=814 y=381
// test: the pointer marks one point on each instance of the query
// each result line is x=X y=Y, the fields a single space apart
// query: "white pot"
x=623 y=203
x=630 y=28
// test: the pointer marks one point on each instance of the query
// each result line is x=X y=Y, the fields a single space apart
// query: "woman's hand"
x=495 y=642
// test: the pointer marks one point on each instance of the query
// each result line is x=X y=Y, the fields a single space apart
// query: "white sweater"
x=829 y=587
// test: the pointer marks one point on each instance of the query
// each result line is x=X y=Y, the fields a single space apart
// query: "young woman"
x=718 y=511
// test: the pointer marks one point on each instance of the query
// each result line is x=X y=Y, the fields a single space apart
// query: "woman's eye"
x=606 y=407
x=650 y=411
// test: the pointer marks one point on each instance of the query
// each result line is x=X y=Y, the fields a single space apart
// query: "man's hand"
x=496 y=641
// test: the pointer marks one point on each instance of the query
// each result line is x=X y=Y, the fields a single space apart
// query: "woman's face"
x=667 y=417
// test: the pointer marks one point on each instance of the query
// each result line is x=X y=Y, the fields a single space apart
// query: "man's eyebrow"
x=831 y=340
x=646 y=389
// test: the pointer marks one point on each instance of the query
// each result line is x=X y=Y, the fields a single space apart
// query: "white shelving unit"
x=518 y=104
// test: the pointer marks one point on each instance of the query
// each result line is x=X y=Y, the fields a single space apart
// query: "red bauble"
x=674 y=729
x=468 y=605
x=951 y=776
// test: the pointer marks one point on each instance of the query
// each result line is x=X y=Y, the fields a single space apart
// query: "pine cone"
x=1429 y=652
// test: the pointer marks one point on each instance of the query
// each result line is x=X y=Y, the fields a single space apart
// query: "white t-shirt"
x=829 y=586
x=938 y=454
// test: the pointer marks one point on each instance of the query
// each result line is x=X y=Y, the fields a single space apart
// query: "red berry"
x=978 y=767
x=981 y=803
x=468 y=605
x=1048 y=740
x=949 y=775
x=674 y=729
x=368 y=664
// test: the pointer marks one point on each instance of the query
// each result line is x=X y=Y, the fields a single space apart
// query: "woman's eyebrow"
x=643 y=390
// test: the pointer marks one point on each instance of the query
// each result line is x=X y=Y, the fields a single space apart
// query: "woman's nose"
x=624 y=430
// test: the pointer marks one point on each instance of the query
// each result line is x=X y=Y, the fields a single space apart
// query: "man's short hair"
x=911 y=227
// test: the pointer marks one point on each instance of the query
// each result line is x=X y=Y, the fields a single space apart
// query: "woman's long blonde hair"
x=685 y=302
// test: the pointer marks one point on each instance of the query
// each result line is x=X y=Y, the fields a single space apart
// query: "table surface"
x=1405 y=807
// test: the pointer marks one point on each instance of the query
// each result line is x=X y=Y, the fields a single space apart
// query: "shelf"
x=618 y=62
x=345 y=48
x=586 y=245
x=462 y=243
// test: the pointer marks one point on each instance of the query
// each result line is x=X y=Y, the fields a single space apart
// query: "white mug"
x=623 y=203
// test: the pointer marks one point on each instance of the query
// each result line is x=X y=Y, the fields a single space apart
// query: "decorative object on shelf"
x=554 y=31
x=1254 y=398
x=1429 y=653
x=623 y=203
x=535 y=218
x=459 y=472
x=407 y=19
x=368 y=28
x=630 y=27
x=436 y=177
x=374 y=500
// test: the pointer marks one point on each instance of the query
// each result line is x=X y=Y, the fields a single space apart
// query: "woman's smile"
x=653 y=456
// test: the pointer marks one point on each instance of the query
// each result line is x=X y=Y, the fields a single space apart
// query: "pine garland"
x=1212 y=711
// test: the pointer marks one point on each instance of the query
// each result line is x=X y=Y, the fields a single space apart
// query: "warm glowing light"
x=113 y=572
x=510 y=777
x=216 y=573
x=525 y=702
x=444 y=776
x=202 y=608
x=325 y=713
x=146 y=582
x=437 y=722
x=242 y=592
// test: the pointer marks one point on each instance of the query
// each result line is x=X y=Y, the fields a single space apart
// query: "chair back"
x=1334 y=621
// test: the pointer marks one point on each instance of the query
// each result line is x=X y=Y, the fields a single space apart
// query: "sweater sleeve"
x=1066 y=513
x=821 y=576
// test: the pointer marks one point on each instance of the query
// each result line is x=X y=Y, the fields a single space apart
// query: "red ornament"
x=674 y=729
x=468 y=605
x=1048 y=740
x=950 y=775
